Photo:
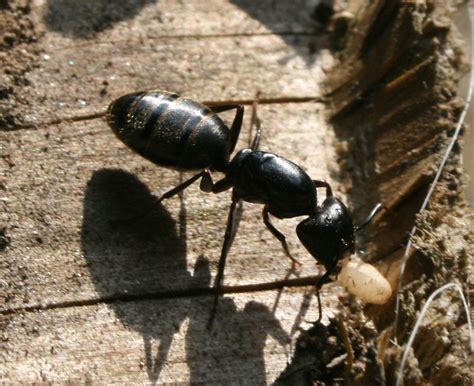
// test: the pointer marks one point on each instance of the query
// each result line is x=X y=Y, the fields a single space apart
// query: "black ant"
x=180 y=133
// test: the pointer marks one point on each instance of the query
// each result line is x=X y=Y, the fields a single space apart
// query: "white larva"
x=364 y=281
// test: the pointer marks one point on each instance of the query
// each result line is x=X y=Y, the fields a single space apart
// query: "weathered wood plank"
x=83 y=75
x=172 y=18
x=204 y=69
x=162 y=340
x=65 y=185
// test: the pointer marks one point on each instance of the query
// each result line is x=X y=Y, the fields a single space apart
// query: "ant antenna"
x=319 y=284
x=320 y=307
x=370 y=217
x=255 y=121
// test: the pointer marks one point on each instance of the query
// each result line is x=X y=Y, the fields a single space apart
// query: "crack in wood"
x=188 y=36
x=173 y=294
x=102 y=113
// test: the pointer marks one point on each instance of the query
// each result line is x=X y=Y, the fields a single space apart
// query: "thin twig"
x=420 y=319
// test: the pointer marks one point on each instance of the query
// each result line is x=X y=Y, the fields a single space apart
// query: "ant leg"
x=182 y=186
x=280 y=236
x=256 y=140
x=171 y=193
x=319 y=284
x=370 y=217
x=207 y=185
x=221 y=186
x=323 y=184
x=236 y=124
x=222 y=260
x=255 y=121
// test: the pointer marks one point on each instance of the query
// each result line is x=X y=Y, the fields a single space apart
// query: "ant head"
x=329 y=233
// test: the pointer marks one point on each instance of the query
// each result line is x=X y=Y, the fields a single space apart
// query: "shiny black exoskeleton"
x=175 y=132
x=329 y=234
x=265 y=178
x=183 y=134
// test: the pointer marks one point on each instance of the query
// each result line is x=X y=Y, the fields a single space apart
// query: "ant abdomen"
x=170 y=130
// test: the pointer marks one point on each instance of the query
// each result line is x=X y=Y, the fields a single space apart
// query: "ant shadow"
x=84 y=18
x=297 y=23
x=131 y=262
x=294 y=20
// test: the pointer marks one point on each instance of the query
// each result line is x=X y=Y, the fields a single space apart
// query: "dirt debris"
x=17 y=57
